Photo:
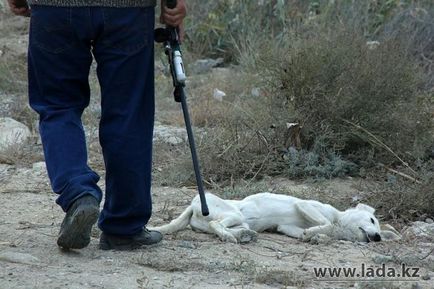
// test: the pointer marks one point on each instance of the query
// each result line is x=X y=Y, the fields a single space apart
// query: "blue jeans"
x=62 y=43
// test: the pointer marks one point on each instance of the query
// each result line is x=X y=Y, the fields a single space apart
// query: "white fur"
x=239 y=221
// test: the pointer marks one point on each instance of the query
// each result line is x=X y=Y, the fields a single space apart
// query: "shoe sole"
x=76 y=234
x=106 y=247
x=106 y=244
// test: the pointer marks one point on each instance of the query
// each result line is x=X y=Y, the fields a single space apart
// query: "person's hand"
x=173 y=17
x=19 y=7
x=181 y=32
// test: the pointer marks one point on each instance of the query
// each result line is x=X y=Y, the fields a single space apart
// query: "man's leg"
x=59 y=62
x=125 y=56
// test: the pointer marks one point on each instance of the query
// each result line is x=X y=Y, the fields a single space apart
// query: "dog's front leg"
x=309 y=233
x=291 y=231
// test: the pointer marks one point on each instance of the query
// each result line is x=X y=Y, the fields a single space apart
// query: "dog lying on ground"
x=239 y=221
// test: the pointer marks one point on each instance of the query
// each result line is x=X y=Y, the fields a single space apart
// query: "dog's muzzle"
x=371 y=237
x=375 y=237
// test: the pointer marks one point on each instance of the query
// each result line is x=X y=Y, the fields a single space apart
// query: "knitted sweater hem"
x=93 y=3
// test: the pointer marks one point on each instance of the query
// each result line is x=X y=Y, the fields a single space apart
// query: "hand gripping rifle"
x=170 y=39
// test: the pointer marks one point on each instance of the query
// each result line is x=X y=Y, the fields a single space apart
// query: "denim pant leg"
x=124 y=52
x=58 y=68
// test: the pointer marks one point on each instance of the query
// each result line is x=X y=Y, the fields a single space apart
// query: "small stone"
x=429 y=221
x=39 y=167
x=186 y=244
x=218 y=94
x=170 y=134
x=382 y=259
x=426 y=277
x=202 y=66
x=419 y=229
x=372 y=44
x=256 y=92
x=21 y=258
x=12 y=132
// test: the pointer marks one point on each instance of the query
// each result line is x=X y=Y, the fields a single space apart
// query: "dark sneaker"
x=114 y=242
x=77 y=224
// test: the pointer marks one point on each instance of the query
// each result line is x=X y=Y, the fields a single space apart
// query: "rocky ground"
x=29 y=257
x=29 y=220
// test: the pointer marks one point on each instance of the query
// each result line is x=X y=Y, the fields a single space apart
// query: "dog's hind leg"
x=220 y=228
x=243 y=234
x=311 y=214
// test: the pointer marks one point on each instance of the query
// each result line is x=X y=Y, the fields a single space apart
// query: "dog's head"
x=360 y=224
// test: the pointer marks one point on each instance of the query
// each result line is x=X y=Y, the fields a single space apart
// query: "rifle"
x=172 y=48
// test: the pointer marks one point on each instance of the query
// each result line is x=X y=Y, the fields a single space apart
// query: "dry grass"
x=378 y=285
x=280 y=278
x=402 y=200
x=22 y=154
x=13 y=78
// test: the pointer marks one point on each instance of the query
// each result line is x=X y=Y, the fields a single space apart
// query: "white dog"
x=239 y=221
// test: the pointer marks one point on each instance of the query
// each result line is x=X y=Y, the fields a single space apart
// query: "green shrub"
x=214 y=26
x=311 y=62
x=310 y=163
x=351 y=96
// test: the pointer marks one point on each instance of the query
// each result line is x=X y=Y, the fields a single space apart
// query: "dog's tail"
x=177 y=224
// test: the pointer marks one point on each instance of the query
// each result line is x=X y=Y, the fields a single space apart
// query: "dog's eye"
x=372 y=221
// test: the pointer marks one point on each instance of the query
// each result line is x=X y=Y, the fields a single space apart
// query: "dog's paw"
x=319 y=239
x=315 y=238
x=307 y=235
x=228 y=238
x=247 y=236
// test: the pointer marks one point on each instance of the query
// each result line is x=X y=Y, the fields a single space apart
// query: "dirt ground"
x=29 y=257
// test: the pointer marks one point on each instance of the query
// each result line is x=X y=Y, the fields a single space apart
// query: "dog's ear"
x=364 y=207
x=389 y=233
